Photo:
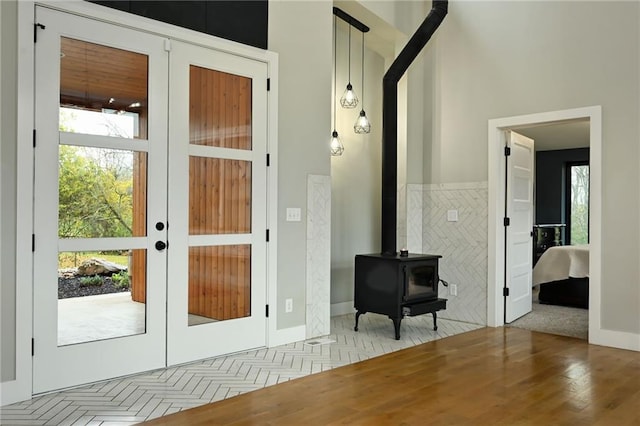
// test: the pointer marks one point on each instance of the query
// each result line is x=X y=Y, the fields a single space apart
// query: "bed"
x=562 y=273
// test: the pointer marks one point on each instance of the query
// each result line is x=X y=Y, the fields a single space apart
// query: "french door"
x=217 y=203
x=149 y=199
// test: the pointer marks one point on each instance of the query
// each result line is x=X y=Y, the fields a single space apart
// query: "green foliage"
x=579 y=204
x=95 y=193
x=93 y=281
x=121 y=280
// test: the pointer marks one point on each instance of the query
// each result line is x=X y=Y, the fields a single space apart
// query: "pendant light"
x=362 y=124
x=336 y=144
x=349 y=98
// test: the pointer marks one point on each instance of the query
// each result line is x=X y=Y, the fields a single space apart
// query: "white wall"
x=356 y=175
x=300 y=32
x=501 y=59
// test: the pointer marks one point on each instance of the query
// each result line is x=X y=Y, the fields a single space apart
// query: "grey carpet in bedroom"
x=562 y=320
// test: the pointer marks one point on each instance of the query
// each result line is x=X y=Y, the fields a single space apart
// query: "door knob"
x=159 y=226
x=160 y=245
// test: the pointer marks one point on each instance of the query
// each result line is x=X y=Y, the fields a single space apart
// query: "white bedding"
x=562 y=262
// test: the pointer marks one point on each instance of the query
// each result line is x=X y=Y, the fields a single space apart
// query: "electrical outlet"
x=288 y=305
x=453 y=289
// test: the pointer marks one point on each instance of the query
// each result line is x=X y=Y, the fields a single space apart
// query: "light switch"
x=452 y=215
x=293 y=214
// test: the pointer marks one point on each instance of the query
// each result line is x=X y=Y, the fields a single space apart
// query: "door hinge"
x=268 y=160
x=33 y=346
x=505 y=291
x=267 y=235
x=33 y=242
x=267 y=310
x=268 y=84
x=35 y=31
x=34 y=138
x=506 y=221
x=507 y=151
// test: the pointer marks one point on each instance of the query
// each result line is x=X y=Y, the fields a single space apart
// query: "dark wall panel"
x=239 y=20
x=550 y=182
x=186 y=14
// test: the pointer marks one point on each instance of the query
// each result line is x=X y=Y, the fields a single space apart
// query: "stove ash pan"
x=397 y=286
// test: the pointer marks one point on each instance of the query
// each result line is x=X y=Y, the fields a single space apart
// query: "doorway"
x=149 y=176
x=496 y=205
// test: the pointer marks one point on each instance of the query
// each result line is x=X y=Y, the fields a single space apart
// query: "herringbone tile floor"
x=145 y=396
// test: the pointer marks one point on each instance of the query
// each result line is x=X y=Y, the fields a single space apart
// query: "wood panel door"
x=217 y=203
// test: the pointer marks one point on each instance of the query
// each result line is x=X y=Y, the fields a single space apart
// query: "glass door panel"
x=101 y=191
x=219 y=283
x=103 y=90
x=220 y=109
x=96 y=303
x=219 y=196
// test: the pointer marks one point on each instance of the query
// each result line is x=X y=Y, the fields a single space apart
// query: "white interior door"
x=100 y=189
x=519 y=194
x=217 y=203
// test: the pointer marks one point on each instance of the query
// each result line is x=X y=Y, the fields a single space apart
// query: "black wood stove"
x=397 y=286
x=388 y=283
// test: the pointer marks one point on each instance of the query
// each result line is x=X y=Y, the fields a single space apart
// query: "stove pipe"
x=390 y=121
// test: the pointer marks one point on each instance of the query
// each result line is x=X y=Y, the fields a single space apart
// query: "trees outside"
x=579 y=220
x=95 y=185
x=95 y=192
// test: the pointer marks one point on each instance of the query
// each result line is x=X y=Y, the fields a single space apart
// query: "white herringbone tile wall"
x=145 y=396
x=415 y=207
x=462 y=244
x=318 y=287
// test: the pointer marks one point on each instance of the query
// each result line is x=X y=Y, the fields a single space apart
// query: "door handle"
x=159 y=226
x=160 y=245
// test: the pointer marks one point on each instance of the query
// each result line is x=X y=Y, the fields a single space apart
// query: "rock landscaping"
x=77 y=282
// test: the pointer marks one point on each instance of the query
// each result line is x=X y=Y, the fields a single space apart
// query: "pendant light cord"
x=362 y=89
x=335 y=72
x=349 y=53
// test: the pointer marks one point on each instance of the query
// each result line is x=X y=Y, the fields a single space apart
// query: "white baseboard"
x=615 y=339
x=14 y=391
x=342 y=308
x=287 y=335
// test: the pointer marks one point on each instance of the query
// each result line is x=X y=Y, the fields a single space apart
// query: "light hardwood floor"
x=504 y=376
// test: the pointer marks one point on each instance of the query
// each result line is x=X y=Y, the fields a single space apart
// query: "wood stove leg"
x=357 y=318
x=396 y=325
x=435 y=318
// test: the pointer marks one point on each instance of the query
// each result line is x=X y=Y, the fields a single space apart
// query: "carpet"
x=552 y=319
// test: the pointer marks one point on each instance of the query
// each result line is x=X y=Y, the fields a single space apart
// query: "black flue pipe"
x=390 y=122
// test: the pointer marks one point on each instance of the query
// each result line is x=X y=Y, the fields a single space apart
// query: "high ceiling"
x=564 y=135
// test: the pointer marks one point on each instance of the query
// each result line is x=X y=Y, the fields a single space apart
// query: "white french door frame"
x=496 y=163
x=21 y=387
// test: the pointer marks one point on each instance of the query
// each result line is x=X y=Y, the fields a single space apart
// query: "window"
x=577 y=203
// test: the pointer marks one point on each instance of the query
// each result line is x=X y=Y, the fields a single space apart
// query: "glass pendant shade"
x=336 y=144
x=362 y=124
x=349 y=98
